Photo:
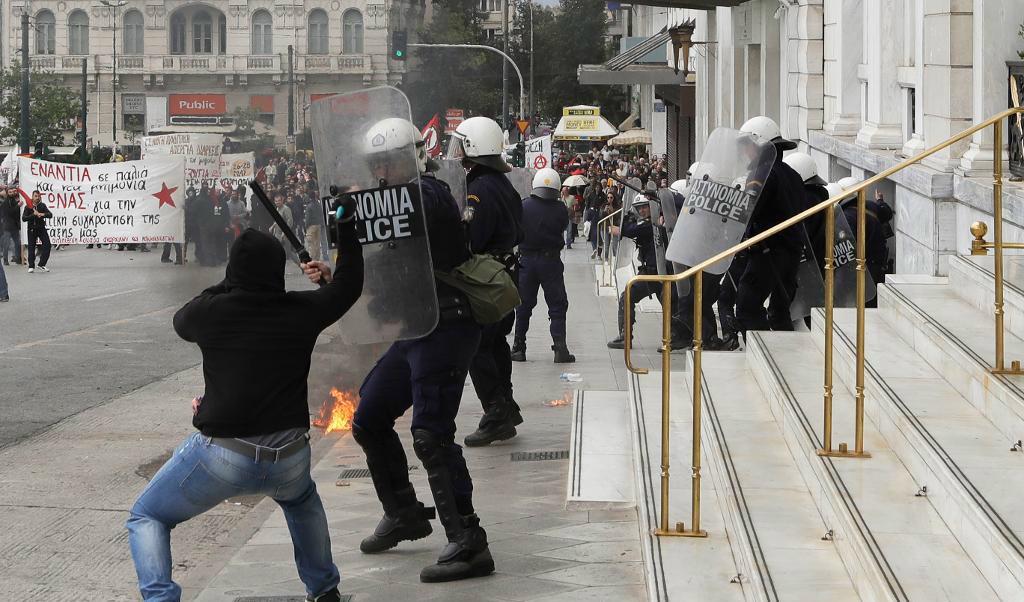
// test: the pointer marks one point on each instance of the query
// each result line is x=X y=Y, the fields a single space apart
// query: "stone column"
x=945 y=91
x=916 y=143
x=995 y=42
x=884 y=40
x=805 y=77
x=843 y=41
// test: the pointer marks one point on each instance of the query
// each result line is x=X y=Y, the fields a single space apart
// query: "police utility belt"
x=258 y=453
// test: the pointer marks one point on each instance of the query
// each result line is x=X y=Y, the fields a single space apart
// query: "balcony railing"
x=328 y=63
x=217 y=64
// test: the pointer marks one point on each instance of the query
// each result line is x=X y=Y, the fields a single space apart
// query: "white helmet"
x=848 y=182
x=546 y=184
x=679 y=186
x=692 y=169
x=766 y=129
x=833 y=189
x=804 y=165
x=479 y=140
x=396 y=136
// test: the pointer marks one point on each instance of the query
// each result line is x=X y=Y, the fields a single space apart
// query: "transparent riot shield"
x=668 y=209
x=365 y=151
x=660 y=235
x=810 y=292
x=626 y=252
x=451 y=172
x=720 y=198
x=522 y=180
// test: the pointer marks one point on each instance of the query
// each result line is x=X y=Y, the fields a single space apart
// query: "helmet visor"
x=456 y=150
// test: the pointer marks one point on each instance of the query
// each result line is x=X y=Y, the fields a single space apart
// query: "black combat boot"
x=498 y=423
x=409 y=522
x=333 y=595
x=519 y=350
x=466 y=554
x=619 y=342
x=562 y=355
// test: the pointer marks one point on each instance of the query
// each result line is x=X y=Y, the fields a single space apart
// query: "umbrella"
x=635 y=136
x=573 y=181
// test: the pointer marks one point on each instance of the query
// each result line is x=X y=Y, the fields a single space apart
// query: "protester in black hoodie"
x=36 y=215
x=252 y=420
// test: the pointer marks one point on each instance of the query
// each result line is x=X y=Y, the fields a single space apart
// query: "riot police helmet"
x=765 y=128
x=479 y=140
x=546 y=184
x=388 y=146
x=804 y=165
x=679 y=187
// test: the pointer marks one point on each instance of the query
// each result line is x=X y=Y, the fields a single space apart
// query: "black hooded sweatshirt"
x=257 y=339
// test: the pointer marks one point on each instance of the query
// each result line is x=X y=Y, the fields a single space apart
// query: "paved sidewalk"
x=542 y=551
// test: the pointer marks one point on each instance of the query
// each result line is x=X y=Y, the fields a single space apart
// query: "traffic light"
x=399 y=44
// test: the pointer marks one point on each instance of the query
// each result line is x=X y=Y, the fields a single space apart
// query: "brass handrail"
x=697 y=272
x=606 y=278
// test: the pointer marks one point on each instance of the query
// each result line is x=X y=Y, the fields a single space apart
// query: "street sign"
x=522 y=124
x=453 y=119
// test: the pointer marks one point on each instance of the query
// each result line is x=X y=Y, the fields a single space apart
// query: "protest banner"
x=538 y=152
x=127 y=202
x=200 y=151
x=236 y=170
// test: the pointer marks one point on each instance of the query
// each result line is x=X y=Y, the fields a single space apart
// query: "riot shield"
x=626 y=252
x=660 y=235
x=810 y=292
x=451 y=172
x=522 y=180
x=720 y=198
x=365 y=151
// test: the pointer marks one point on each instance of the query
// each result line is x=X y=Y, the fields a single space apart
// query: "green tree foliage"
x=54 y=107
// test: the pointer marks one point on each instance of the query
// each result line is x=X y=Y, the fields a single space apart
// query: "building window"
x=134 y=36
x=78 y=32
x=352 y=32
x=490 y=6
x=262 y=33
x=222 y=45
x=202 y=33
x=178 y=34
x=46 y=33
x=319 y=39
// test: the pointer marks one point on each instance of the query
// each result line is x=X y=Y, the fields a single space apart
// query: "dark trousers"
x=10 y=241
x=428 y=375
x=639 y=292
x=767 y=274
x=41 y=237
x=491 y=369
x=166 y=255
x=548 y=273
x=712 y=284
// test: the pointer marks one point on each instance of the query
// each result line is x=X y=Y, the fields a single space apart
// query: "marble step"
x=773 y=524
x=973 y=480
x=600 y=453
x=894 y=544
x=973 y=279
x=677 y=568
x=956 y=339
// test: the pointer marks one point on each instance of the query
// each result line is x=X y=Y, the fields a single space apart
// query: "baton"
x=647 y=193
x=300 y=250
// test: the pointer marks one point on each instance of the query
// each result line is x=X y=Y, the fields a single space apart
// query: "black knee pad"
x=427 y=446
x=363 y=437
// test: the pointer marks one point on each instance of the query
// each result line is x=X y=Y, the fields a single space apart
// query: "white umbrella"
x=573 y=181
x=635 y=136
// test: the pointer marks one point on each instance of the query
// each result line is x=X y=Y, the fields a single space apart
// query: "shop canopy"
x=583 y=123
x=631 y=137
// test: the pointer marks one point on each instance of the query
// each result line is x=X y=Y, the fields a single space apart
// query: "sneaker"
x=43 y=268
x=331 y=596
x=31 y=270
x=4 y=299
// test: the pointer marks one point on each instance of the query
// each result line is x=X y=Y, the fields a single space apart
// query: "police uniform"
x=427 y=374
x=495 y=228
x=771 y=267
x=544 y=221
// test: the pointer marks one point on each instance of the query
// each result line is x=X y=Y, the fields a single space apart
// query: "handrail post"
x=830 y=228
x=861 y=320
x=666 y=392
x=997 y=218
x=627 y=329
x=698 y=326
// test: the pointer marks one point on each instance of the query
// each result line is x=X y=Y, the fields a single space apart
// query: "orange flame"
x=336 y=413
x=564 y=401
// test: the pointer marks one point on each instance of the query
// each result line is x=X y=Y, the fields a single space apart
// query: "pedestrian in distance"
x=10 y=225
x=494 y=229
x=4 y=292
x=35 y=215
x=428 y=375
x=545 y=218
x=252 y=420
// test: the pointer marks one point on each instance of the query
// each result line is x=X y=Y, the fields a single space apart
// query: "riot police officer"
x=545 y=218
x=495 y=228
x=427 y=374
x=879 y=218
x=638 y=227
x=771 y=266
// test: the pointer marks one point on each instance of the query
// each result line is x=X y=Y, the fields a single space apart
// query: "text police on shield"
x=385 y=214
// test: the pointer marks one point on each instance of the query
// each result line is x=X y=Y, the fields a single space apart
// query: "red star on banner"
x=164 y=196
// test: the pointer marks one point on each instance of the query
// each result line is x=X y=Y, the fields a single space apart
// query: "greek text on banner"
x=128 y=202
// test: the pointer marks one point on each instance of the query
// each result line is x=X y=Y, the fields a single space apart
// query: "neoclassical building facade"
x=188 y=64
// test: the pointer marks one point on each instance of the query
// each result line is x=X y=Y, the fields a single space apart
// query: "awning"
x=624 y=69
x=584 y=128
x=632 y=137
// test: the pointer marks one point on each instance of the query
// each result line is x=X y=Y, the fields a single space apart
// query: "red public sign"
x=197 y=104
x=453 y=118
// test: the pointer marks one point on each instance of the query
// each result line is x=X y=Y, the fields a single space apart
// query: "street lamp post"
x=113 y=84
x=519 y=74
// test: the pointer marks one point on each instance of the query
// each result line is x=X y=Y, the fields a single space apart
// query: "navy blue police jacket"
x=497 y=211
x=445 y=233
x=643 y=234
x=544 y=224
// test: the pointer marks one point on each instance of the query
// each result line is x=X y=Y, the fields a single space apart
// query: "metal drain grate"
x=361 y=473
x=536 y=456
x=344 y=598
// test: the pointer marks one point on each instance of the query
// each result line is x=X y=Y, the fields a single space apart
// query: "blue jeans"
x=197 y=477
x=10 y=245
x=3 y=282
